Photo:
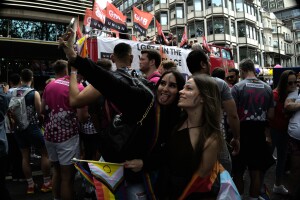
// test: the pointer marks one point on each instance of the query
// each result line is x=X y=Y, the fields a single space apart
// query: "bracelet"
x=74 y=72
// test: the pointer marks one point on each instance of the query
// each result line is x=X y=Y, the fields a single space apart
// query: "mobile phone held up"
x=71 y=24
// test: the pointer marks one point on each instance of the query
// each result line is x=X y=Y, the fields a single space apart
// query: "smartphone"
x=71 y=24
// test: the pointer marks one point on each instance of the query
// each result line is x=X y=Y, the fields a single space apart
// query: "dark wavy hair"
x=179 y=80
x=283 y=83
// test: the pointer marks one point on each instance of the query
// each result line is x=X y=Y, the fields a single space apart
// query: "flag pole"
x=94 y=161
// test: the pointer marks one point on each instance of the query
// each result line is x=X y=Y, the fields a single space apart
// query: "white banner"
x=178 y=55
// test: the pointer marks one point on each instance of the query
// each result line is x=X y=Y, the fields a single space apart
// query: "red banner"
x=115 y=18
x=87 y=17
x=184 y=38
x=133 y=38
x=159 y=30
x=98 y=16
x=78 y=30
x=141 y=20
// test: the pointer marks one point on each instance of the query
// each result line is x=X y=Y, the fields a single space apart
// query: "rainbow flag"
x=107 y=178
x=111 y=174
x=87 y=175
x=218 y=182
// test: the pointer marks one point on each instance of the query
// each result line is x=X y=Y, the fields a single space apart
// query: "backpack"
x=18 y=111
x=119 y=135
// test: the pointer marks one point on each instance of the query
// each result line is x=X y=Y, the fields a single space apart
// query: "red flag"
x=98 y=16
x=115 y=18
x=205 y=45
x=141 y=20
x=159 y=30
x=87 y=17
x=134 y=38
x=78 y=31
x=184 y=38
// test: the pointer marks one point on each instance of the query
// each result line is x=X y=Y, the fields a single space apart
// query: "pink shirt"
x=154 y=77
x=60 y=121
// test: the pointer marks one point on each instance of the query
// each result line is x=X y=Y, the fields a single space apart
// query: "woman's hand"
x=67 y=41
x=135 y=165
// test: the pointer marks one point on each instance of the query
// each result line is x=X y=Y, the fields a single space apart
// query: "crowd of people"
x=186 y=127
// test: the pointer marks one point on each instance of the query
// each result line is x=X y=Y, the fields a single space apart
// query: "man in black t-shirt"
x=254 y=101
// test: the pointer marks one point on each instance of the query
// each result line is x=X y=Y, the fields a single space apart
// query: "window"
x=199 y=28
x=128 y=17
x=191 y=30
x=226 y=54
x=239 y=5
x=148 y=6
x=241 y=29
x=198 y=5
x=179 y=11
x=217 y=3
x=34 y=30
x=190 y=6
x=172 y=13
x=219 y=26
x=232 y=29
x=164 y=18
x=275 y=43
x=270 y=41
x=231 y=6
x=226 y=3
x=234 y=51
x=163 y=1
x=243 y=53
x=209 y=27
x=208 y=4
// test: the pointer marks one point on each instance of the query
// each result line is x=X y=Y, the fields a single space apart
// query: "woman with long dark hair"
x=196 y=143
x=287 y=83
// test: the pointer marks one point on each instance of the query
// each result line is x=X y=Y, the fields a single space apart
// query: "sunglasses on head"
x=229 y=77
x=292 y=82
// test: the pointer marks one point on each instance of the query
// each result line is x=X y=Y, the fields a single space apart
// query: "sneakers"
x=280 y=189
x=30 y=189
x=47 y=187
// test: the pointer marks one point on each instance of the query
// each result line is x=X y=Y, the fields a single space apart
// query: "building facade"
x=241 y=24
x=29 y=31
x=289 y=13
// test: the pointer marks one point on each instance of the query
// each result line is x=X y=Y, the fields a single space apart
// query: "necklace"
x=187 y=126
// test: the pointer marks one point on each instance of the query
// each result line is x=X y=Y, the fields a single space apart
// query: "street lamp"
x=278 y=42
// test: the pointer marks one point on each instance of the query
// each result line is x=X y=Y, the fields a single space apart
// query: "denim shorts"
x=31 y=136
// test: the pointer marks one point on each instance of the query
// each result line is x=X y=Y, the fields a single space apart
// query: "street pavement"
x=18 y=189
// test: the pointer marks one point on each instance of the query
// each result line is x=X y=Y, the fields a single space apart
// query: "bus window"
x=226 y=54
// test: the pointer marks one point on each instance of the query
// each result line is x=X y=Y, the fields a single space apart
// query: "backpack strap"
x=26 y=92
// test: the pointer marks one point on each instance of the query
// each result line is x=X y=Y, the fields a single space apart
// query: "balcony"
x=158 y=7
x=174 y=1
x=268 y=48
x=176 y=21
x=288 y=52
x=288 y=39
x=195 y=14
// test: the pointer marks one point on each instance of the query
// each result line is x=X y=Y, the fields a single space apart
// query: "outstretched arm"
x=78 y=99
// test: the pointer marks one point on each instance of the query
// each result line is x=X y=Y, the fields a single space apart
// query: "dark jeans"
x=3 y=170
x=280 y=141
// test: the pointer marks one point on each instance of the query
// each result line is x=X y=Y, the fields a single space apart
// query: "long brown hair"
x=282 y=84
x=210 y=94
x=211 y=114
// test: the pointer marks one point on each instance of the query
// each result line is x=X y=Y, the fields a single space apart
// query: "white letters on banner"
x=178 y=55
x=141 y=19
